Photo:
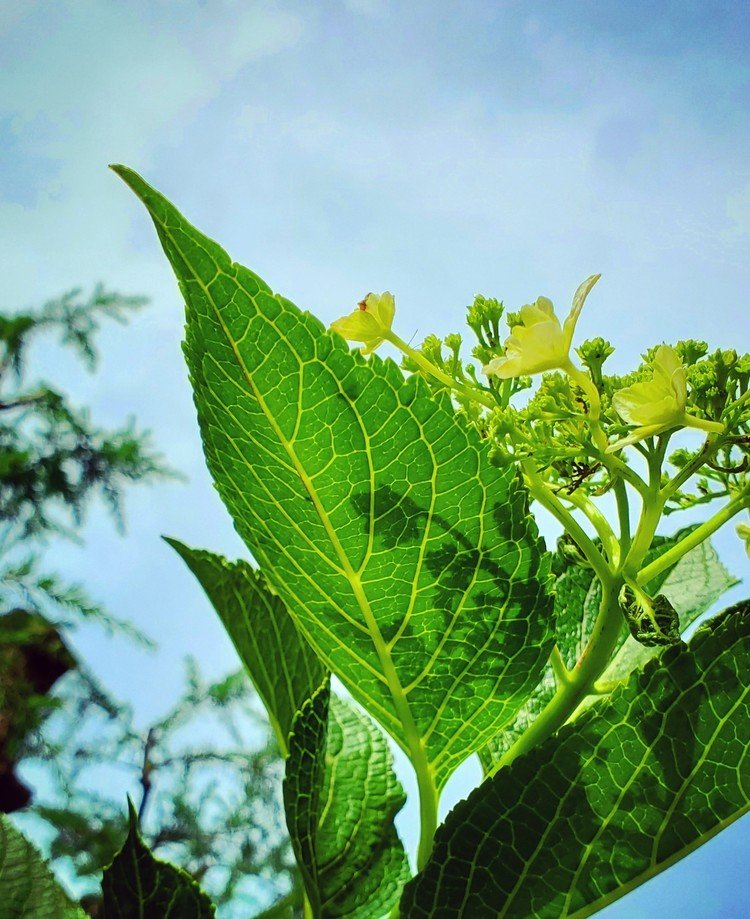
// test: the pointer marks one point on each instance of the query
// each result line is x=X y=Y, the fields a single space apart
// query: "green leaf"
x=281 y=664
x=28 y=889
x=138 y=886
x=614 y=798
x=692 y=586
x=341 y=796
x=407 y=560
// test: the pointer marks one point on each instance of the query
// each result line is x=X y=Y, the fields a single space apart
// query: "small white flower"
x=658 y=404
x=540 y=343
x=370 y=323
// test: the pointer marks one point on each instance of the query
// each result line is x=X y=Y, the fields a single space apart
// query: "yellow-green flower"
x=539 y=342
x=370 y=323
x=743 y=531
x=658 y=404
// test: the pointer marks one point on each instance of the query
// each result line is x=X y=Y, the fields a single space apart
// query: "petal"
x=371 y=345
x=647 y=403
x=505 y=367
x=358 y=326
x=533 y=313
x=382 y=307
x=668 y=368
x=579 y=298
x=387 y=309
x=641 y=433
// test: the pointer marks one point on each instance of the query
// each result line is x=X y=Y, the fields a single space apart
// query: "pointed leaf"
x=409 y=562
x=614 y=798
x=341 y=796
x=281 y=664
x=28 y=889
x=138 y=886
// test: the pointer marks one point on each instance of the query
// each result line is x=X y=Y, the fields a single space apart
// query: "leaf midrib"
x=413 y=741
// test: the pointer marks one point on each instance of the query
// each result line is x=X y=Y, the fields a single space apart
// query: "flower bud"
x=652 y=620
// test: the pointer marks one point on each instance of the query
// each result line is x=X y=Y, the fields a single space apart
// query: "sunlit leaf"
x=693 y=585
x=341 y=796
x=614 y=798
x=408 y=561
x=282 y=665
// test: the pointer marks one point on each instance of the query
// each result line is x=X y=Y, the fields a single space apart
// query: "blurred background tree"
x=205 y=776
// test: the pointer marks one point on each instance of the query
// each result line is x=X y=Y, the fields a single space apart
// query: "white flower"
x=540 y=343
x=370 y=323
x=658 y=404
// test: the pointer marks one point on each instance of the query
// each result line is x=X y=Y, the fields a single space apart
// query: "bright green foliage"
x=628 y=789
x=138 y=886
x=341 y=796
x=389 y=515
x=28 y=890
x=695 y=583
x=408 y=561
x=282 y=665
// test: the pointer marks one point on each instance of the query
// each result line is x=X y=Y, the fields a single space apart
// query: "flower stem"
x=698 y=535
x=623 y=516
x=467 y=392
x=599 y=521
x=539 y=490
x=674 y=484
x=713 y=427
x=581 y=680
x=595 y=403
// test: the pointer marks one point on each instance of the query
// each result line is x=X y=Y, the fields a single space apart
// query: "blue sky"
x=434 y=149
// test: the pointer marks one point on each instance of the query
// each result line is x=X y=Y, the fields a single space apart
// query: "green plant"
x=389 y=511
x=204 y=773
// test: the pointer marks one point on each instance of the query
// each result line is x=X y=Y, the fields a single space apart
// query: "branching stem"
x=581 y=680
x=698 y=535
x=476 y=395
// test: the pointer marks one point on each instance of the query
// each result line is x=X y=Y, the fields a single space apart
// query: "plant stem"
x=428 y=816
x=674 y=484
x=467 y=392
x=580 y=681
x=599 y=521
x=673 y=555
x=651 y=511
x=539 y=490
x=623 y=516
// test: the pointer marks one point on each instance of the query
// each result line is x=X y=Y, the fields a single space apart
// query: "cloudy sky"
x=436 y=149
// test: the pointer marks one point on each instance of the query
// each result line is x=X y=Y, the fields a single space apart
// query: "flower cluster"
x=572 y=438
